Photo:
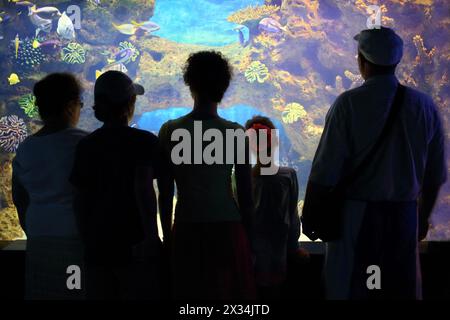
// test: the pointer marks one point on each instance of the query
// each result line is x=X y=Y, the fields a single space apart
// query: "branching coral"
x=27 y=103
x=423 y=54
x=73 y=53
x=278 y=103
x=252 y=13
x=311 y=129
x=338 y=87
x=356 y=79
x=299 y=28
x=257 y=71
x=363 y=7
x=266 y=40
x=12 y=132
x=307 y=25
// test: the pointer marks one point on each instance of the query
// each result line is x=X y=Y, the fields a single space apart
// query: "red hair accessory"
x=260 y=126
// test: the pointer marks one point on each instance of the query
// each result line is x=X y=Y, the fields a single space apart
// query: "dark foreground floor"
x=304 y=280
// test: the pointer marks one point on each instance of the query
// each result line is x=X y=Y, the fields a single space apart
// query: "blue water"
x=202 y=22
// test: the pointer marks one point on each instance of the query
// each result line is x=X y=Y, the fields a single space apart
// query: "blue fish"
x=123 y=56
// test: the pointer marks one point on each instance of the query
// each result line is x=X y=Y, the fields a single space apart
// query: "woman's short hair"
x=54 y=92
x=208 y=74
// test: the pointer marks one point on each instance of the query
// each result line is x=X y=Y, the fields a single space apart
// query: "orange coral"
x=266 y=40
x=423 y=55
x=252 y=13
x=309 y=26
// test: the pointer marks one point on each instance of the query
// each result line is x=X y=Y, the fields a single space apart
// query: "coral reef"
x=303 y=20
x=356 y=79
x=257 y=71
x=338 y=88
x=27 y=103
x=13 y=131
x=251 y=16
x=73 y=53
x=423 y=54
x=9 y=224
x=311 y=61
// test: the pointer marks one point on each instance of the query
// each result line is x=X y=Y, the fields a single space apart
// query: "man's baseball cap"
x=115 y=87
x=380 y=46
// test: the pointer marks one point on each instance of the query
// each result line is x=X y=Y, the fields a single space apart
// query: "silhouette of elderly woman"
x=42 y=192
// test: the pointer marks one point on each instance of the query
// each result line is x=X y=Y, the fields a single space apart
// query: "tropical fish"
x=41 y=24
x=24 y=3
x=36 y=44
x=271 y=26
x=123 y=56
x=17 y=43
x=47 y=10
x=66 y=29
x=4 y=17
x=128 y=29
x=111 y=67
x=147 y=26
x=242 y=40
x=13 y=79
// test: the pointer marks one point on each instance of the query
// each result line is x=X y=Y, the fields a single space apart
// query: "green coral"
x=257 y=71
x=28 y=104
x=292 y=112
x=73 y=53
x=128 y=45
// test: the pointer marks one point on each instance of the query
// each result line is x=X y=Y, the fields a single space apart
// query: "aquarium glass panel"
x=291 y=59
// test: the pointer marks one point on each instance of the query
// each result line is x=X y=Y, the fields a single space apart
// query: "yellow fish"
x=36 y=44
x=98 y=73
x=13 y=79
x=16 y=44
x=128 y=29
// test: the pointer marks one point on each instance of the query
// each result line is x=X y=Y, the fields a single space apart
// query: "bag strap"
x=389 y=124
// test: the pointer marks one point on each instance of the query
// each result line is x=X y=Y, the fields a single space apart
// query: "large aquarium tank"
x=291 y=58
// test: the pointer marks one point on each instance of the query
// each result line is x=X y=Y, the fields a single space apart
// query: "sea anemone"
x=27 y=55
x=73 y=53
x=292 y=112
x=12 y=132
x=28 y=103
x=257 y=71
x=128 y=45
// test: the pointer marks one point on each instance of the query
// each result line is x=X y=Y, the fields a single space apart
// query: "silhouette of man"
x=388 y=205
